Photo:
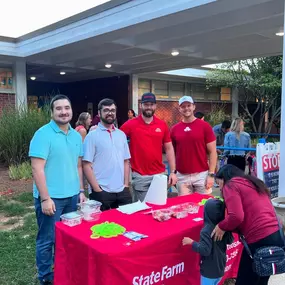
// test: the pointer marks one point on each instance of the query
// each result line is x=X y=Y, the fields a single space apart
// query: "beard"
x=148 y=113
x=109 y=120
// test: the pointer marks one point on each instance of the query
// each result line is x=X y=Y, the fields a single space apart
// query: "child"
x=213 y=254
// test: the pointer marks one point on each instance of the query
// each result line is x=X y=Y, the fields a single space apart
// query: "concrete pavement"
x=277 y=280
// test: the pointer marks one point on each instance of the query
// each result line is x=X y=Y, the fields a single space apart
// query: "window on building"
x=33 y=102
x=144 y=86
x=212 y=94
x=6 y=79
x=176 y=89
x=173 y=90
x=225 y=94
x=160 y=89
x=198 y=91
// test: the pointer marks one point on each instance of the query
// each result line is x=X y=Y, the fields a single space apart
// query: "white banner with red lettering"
x=267 y=162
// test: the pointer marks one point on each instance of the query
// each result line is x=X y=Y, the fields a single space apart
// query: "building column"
x=234 y=102
x=152 y=87
x=281 y=191
x=135 y=93
x=187 y=89
x=20 y=80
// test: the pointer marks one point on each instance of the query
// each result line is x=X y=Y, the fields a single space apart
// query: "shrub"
x=247 y=123
x=217 y=115
x=16 y=131
x=20 y=171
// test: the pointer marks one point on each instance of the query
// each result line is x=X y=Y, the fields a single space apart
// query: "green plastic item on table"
x=203 y=201
x=106 y=230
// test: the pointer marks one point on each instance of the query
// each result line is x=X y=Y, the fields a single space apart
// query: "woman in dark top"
x=250 y=213
x=131 y=114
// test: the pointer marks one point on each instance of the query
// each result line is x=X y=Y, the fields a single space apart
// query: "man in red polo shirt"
x=148 y=135
x=194 y=143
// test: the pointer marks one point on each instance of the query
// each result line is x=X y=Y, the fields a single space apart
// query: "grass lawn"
x=17 y=246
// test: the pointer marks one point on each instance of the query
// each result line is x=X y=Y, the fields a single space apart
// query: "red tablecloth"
x=158 y=259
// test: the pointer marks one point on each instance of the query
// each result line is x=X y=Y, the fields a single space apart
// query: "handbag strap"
x=246 y=247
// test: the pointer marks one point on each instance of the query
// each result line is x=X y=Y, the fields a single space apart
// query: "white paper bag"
x=157 y=192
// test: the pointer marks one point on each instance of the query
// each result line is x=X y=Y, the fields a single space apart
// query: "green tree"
x=257 y=80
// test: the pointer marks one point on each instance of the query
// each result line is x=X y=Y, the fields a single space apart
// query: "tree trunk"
x=245 y=108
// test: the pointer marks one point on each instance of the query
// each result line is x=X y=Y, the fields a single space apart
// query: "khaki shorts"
x=140 y=184
x=192 y=183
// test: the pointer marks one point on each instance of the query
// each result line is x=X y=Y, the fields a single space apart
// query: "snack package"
x=134 y=235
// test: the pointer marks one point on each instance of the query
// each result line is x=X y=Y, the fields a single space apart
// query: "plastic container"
x=90 y=214
x=90 y=204
x=191 y=208
x=179 y=212
x=279 y=205
x=162 y=215
x=71 y=219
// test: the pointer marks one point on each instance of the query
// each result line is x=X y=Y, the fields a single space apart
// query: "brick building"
x=170 y=86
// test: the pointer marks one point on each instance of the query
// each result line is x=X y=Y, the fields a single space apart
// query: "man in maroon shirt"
x=194 y=142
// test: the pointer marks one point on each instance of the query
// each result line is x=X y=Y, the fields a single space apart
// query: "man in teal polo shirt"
x=56 y=154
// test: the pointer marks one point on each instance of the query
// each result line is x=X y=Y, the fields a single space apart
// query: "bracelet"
x=44 y=200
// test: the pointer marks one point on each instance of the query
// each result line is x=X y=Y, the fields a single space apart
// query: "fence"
x=263 y=135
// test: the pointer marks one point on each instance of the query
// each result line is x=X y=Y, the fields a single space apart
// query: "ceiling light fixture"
x=108 y=65
x=62 y=73
x=33 y=77
x=175 y=53
x=280 y=34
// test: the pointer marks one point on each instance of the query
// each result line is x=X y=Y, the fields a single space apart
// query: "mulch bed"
x=10 y=187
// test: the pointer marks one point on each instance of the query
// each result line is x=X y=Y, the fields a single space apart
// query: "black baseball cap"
x=148 y=97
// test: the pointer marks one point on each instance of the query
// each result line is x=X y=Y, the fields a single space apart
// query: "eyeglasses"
x=109 y=111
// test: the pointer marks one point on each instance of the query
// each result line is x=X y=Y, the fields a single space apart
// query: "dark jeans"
x=46 y=234
x=237 y=160
x=112 y=200
x=246 y=275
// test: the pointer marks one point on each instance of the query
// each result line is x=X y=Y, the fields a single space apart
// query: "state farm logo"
x=155 y=277
x=158 y=130
x=187 y=129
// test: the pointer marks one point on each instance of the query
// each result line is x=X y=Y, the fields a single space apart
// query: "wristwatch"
x=211 y=174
